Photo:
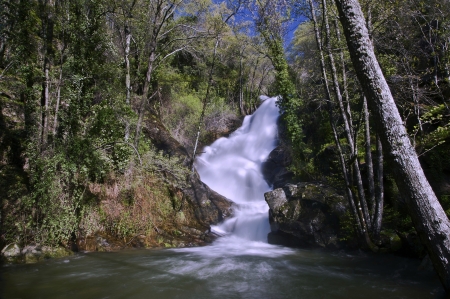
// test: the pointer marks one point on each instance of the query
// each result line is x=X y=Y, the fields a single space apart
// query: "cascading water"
x=232 y=167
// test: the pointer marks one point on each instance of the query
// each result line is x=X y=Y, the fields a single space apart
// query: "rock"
x=33 y=253
x=305 y=215
x=202 y=206
x=162 y=140
x=11 y=253
x=209 y=206
x=275 y=170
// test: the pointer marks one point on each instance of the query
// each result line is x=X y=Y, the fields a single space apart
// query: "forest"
x=105 y=104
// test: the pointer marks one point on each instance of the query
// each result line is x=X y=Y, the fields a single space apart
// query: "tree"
x=426 y=212
x=358 y=209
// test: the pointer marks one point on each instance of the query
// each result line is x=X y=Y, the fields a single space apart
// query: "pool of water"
x=222 y=270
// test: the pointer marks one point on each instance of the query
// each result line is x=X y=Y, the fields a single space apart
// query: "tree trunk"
x=427 y=214
x=127 y=78
x=45 y=104
x=58 y=97
x=205 y=101
x=379 y=192
x=347 y=125
x=344 y=74
x=144 y=98
x=356 y=210
x=47 y=29
x=369 y=164
x=241 y=92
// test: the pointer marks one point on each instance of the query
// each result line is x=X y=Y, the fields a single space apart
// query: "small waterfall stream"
x=232 y=167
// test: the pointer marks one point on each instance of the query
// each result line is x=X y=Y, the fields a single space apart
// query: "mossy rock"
x=36 y=253
x=306 y=215
x=11 y=253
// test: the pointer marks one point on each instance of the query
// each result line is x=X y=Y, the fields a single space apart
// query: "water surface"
x=253 y=270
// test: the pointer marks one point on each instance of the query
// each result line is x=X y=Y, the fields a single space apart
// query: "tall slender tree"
x=426 y=212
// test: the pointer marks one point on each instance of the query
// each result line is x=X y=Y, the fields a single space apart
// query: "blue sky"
x=244 y=15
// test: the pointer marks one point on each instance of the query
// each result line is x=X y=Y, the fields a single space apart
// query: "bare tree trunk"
x=58 y=98
x=45 y=104
x=356 y=208
x=144 y=98
x=428 y=217
x=127 y=78
x=368 y=154
x=347 y=126
x=379 y=191
x=241 y=92
x=344 y=74
x=47 y=29
x=205 y=101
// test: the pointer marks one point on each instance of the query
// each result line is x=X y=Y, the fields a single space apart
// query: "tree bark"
x=426 y=212
x=127 y=78
x=368 y=154
x=144 y=98
x=379 y=192
x=58 y=97
x=344 y=73
x=47 y=30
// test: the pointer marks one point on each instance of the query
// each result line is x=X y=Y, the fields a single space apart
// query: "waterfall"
x=232 y=167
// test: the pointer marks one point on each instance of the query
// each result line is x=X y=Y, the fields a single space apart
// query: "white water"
x=232 y=167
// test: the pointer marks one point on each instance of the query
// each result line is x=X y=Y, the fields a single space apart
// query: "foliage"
x=168 y=169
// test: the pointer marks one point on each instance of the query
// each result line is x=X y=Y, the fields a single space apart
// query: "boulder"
x=208 y=206
x=275 y=170
x=154 y=130
x=35 y=253
x=32 y=253
x=305 y=215
x=11 y=253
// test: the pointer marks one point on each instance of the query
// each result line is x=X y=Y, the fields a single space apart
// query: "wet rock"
x=426 y=265
x=103 y=242
x=208 y=206
x=275 y=170
x=11 y=253
x=305 y=215
x=33 y=253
